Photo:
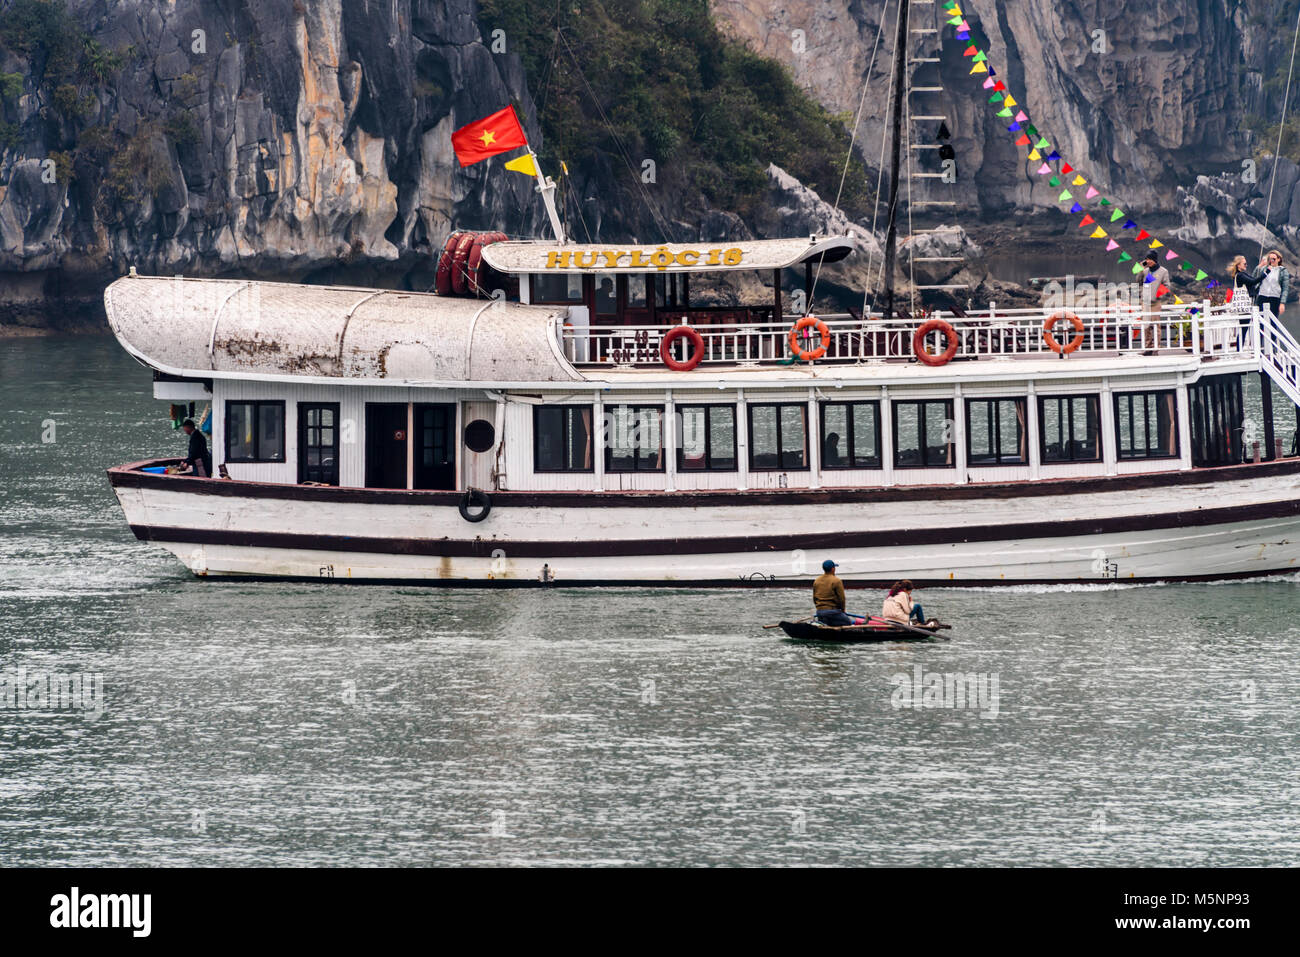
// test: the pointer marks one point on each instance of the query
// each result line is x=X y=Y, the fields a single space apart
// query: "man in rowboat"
x=828 y=598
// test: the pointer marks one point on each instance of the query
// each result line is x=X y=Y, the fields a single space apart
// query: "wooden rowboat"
x=812 y=631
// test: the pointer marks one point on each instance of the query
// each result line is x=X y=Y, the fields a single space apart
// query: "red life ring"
x=949 y=335
x=697 y=348
x=808 y=355
x=1050 y=339
x=474 y=264
x=442 y=277
x=460 y=262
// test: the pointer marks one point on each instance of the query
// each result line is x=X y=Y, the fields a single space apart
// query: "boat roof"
x=549 y=257
x=224 y=328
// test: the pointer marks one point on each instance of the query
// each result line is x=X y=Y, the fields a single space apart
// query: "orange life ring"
x=1050 y=339
x=808 y=355
x=442 y=276
x=949 y=335
x=666 y=348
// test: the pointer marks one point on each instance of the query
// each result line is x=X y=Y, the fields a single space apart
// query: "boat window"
x=634 y=438
x=923 y=434
x=778 y=437
x=706 y=438
x=636 y=292
x=562 y=438
x=557 y=287
x=606 y=296
x=255 y=431
x=1070 y=427
x=850 y=435
x=1145 y=426
x=996 y=432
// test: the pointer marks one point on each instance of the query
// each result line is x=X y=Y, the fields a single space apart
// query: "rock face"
x=276 y=138
x=1146 y=97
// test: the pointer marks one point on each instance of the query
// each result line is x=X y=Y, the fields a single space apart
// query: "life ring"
x=474 y=265
x=949 y=335
x=475 y=497
x=460 y=263
x=808 y=355
x=666 y=348
x=1050 y=339
x=442 y=276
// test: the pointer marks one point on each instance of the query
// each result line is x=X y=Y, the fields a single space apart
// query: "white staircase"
x=1279 y=353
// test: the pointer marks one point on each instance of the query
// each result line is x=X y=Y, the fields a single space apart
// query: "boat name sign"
x=661 y=258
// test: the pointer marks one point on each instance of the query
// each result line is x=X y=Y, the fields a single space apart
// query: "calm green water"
x=324 y=725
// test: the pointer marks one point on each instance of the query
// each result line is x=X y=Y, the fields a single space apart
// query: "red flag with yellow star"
x=489 y=136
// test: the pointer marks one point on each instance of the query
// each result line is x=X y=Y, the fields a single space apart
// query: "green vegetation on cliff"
x=710 y=112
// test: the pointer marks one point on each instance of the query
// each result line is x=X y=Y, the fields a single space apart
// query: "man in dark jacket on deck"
x=199 y=459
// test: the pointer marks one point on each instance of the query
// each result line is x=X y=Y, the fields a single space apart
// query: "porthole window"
x=480 y=435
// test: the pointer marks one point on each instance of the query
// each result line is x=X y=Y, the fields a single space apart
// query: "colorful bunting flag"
x=1098 y=233
x=1020 y=116
x=1111 y=246
x=1076 y=208
x=1118 y=214
x=1201 y=274
x=1055 y=181
x=1078 y=181
x=988 y=83
x=1024 y=141
x=1124 y=257
x=1129 y=224
x=971 y=51
x=1105 y=201
x=979 y=68
x=1155 y=244
x=1065 y=194
x=1005 y=111
x=1054 y=156
x=1033 y=154
x=1143 y=234
x=1067 y=168
x=1086 y=221
x=1014 y=127
x=1170 y=255
x=1044 y=169
x=1092 y=191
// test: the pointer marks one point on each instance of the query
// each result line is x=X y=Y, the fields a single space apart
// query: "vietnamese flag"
x=489 y=136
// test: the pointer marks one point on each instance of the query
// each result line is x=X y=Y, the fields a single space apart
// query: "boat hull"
x=1236 y=522
x=807 y=631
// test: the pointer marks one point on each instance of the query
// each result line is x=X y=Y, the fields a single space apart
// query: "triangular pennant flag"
x=1185 y=266
x=956 y=21
x=1005 y=111
x=1129 y=224
x=996 y=98
x=1092 y=191
x=1137 y=268
x=963 y=35
x=1044 y=169
x=964 y=26
x=1170 y=255
x=1118 y=214
x=1014 y=127
x=1213 y=283
x=1067 y=168
x=1155 y=244
x=979 y=68
x=1105 y=201
x=1054 y=181
x=1020 y=117
x=1011 y=101
x=1042 y=144
x=1200 y=274
x=1076 y=208
x=1161 y=290
x=1024 y=141
x=1124 y=257
x=1086 y=221
x=1098 y=233
x=1031 y=129
x=523 y=164
x=1033 y=154
x=1143 y=234
x=1065 y=194
x=1078 y=181
x=1000 y=86
x=980 y=57
x=1112 y=245
x=988 y=83
x=1177 y=301
x=1055 y=155
x=971 y=51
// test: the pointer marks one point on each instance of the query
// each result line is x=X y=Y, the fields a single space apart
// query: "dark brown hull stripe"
x=739 y=582
x=482 y=548
x=127 y=476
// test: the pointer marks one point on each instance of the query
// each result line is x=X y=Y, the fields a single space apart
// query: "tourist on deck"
x=1244 y=288
x=899 y=607
x=1155 y=286
x=199 y=458
x=1274 y=283
x=828 y=598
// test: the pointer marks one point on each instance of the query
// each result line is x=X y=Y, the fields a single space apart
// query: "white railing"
x=1279 y=353
x=1118 y=329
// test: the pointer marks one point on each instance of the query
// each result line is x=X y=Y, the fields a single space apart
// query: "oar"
x=898 y=624
x=799 y=622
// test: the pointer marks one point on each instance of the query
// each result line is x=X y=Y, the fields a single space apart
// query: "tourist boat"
x=569 y=414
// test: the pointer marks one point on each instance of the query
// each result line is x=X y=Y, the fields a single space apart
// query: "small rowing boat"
x=812 y=631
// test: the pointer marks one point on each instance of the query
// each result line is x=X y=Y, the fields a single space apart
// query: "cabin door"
x=318 y=442
x=479 y=443
x=435 y=449
x=386 y=444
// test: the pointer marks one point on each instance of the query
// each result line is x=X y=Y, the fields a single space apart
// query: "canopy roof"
x=544 y=257
x=206 y=328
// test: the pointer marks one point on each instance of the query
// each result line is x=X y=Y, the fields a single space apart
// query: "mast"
x=896 y=128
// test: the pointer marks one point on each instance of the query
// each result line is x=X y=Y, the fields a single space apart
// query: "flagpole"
x=546 y=186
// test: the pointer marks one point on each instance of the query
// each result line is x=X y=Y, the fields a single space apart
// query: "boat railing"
x=1117 y=329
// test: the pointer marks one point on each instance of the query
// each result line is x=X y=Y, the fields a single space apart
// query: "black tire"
x=475 y=498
